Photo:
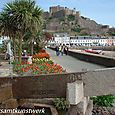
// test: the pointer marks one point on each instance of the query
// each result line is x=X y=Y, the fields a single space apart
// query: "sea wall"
x=94 y=58
x=104 y=48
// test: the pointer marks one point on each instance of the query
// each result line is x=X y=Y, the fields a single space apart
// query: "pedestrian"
x=62 y=49
x=66 y=50
x=57 y=50
x=45 y=46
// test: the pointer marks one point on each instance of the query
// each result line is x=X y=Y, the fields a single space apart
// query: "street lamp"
x=34 y=43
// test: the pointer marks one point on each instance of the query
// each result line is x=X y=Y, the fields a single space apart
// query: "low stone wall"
x=97 y=82
x=104 y=48
x=81 y=85
x=6 y=95
x=94 y=58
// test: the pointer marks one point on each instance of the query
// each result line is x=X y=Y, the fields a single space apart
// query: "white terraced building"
x=60 y=38
x=91 y=41
x=64 y=38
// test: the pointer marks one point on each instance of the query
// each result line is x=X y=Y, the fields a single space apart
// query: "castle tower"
x=54 y=9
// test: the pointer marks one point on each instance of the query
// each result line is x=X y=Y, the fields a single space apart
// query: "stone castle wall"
x=54 y=9
x=59 y=14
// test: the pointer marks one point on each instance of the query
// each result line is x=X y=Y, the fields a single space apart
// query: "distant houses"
x=64 y=38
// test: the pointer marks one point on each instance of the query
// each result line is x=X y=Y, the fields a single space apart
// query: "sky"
x=102 y=11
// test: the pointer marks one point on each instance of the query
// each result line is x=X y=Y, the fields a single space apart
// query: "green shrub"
x=76 y=29
x=71 y=17
x=61 y=103
x=106 y=100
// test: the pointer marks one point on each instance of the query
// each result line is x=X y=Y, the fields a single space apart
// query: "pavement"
x=5 y=69
x=72 y=64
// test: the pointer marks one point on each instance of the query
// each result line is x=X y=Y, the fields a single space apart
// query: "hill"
x=63 y=19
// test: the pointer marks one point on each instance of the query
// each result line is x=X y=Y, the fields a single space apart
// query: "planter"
x=62 y=112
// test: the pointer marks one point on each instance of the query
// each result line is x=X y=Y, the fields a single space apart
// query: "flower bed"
x=42 y=51
x=40 y=66
x=42 y=60
x=41 y=55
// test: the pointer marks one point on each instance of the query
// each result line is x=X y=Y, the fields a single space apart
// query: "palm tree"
x=5 y=28
x=35 y=26
x=23 y=15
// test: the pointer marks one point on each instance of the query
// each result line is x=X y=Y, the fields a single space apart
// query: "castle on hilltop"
x=59 y=14
x=57 y=11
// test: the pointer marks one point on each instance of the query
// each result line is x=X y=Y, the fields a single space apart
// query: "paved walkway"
x=5 y=69
x=72 y=64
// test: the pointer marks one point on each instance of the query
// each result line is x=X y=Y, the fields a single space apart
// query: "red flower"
x=41 y=55
x=42 y=51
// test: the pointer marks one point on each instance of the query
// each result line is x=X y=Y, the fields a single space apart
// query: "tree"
x=7 y=29
x=23 y=16
x=71 y=17
x=76 y=29
x=111 y=31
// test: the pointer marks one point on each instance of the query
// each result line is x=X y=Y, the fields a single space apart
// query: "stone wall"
x=90 y=83
x=104 y=48
x=81 y=85
x=59 y=14
x=94 y=58
x=6 y=95
x=97 y=82
x=54 y=9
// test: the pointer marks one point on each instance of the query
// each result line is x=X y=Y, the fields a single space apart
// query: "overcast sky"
x=102 y=11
